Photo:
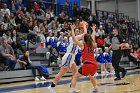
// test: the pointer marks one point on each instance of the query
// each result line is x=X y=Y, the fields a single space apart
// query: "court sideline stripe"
x=46 y=84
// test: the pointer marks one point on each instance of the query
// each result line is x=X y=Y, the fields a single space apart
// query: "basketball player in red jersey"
x=89 y=66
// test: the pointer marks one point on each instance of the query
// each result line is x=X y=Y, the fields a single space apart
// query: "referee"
x=116 y=44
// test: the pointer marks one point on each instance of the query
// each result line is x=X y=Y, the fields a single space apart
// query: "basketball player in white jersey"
x=68 y=60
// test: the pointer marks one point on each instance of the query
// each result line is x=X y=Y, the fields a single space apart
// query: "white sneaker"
x=103 y=72
x=107 y=72
x=36 y=79
x=73 y=90
x=94 y=90
x=96 y=74
x=42 y=78
x=113 y=72
x=51 y=89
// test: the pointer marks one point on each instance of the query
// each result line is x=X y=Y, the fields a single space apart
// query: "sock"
x=53 y=84
x=70 y=85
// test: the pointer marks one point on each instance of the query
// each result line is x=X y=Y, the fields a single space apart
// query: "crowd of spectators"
x=19 y=26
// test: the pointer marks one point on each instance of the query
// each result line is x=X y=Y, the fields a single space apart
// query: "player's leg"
x=74 y=69
x=60 y=74
x=65 y=68
x=93 y=81
x=73 y=83
x=57 y=78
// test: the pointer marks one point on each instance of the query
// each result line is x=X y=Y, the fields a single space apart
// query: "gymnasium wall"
x=106 y=5
x=84 y=4
x=128 y=7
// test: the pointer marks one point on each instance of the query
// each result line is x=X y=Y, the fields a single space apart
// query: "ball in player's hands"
x=125 y=45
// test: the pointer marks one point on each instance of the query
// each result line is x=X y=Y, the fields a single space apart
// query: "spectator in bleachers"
x=49 y=40
x=65 y=28
x=138 y=53
x=20 y=12
x=16 y=41
x=27 y=64
x=36 y=7
x=24 y=26
x=18 y=20
x=49 y=15
x=7 y=55
x=5 y=10
x=62 y=17
x=100 y=42
x=53 y=55
x=50 y=25
x=6 y=20
x=100 y=31
x=55 y=41
x=19 y=4
x=62 y=46
x=2 y=30
x=107 y=41
x=40 y=32
x=77 y=23
x=13 y=7
x=12 y=21
x=133 y=56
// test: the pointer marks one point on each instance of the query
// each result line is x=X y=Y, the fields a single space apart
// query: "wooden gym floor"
x=105 y=82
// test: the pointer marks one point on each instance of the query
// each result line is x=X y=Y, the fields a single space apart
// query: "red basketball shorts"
x=88 y=69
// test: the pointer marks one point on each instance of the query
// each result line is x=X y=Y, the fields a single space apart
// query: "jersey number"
x=90 y=50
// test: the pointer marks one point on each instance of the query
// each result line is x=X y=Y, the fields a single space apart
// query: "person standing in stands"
x=116 y=45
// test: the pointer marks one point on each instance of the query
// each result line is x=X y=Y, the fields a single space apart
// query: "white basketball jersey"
x=72 y=47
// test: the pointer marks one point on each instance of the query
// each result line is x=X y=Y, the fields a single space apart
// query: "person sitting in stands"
x=7 y=55
x=133 y=56
x=27 y=64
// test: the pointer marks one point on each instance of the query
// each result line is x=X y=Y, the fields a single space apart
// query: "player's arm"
x=93 y=32
x=75 y=39
x=85 y=30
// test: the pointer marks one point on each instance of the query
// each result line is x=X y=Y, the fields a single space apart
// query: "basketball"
x=125 y=45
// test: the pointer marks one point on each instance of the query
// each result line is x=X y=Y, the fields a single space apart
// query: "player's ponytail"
x=88 y=39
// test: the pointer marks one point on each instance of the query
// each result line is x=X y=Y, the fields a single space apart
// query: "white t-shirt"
x=4 y=11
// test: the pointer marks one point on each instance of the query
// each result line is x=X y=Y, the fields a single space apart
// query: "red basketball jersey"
x=88 y=54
